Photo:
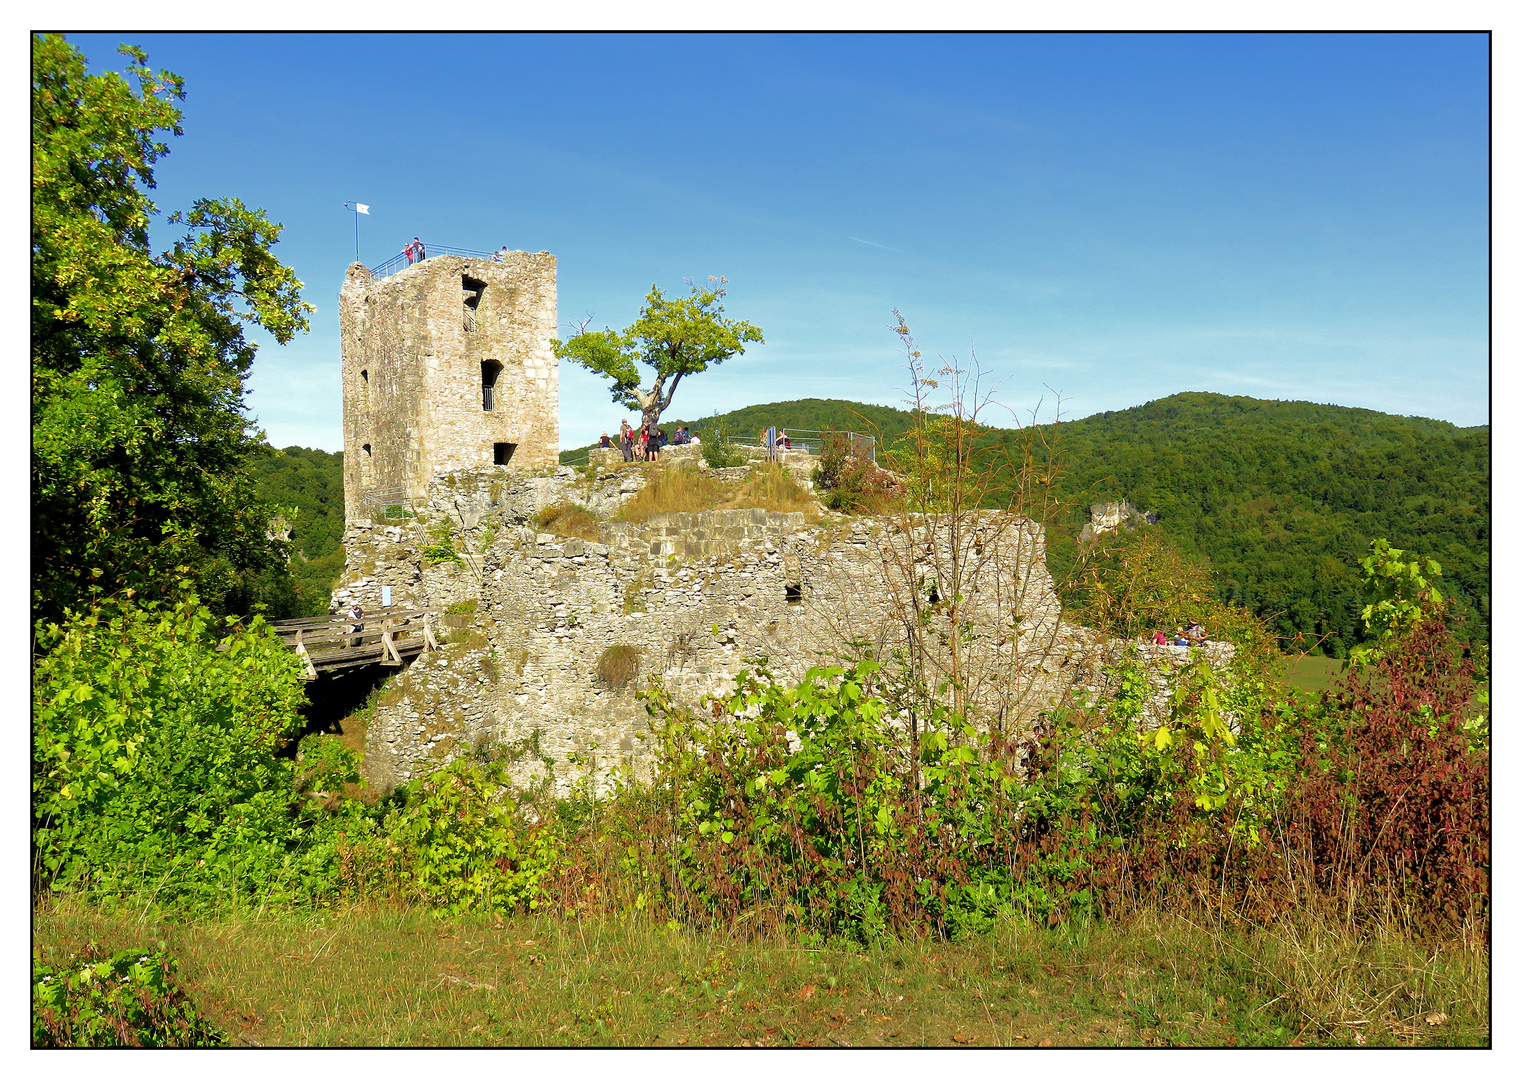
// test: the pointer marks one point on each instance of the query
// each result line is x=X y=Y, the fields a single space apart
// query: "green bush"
x=157 y=733
x=128 y=999
x=463 y=843
x=851 y=483
x=718 y=454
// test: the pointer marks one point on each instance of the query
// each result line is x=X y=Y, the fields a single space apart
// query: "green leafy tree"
x=1400 y=593
x=139 y=440
x=673 y=337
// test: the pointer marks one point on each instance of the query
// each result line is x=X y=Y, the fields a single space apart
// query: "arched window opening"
x=490 y=369
x=471 y=292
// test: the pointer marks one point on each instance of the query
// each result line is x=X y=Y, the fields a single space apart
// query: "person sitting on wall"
x=681 y=438
x=1159 y=638
x=496 y=256
x=605 y=443
x=1195 y=632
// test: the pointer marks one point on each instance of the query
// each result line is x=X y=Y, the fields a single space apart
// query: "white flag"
x=363 y=208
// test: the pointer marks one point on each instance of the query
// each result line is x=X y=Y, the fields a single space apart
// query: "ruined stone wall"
x=413 y=346
x=697 y=597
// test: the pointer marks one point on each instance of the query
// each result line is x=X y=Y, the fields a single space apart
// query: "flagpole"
x=358 y=208
x=354 y=207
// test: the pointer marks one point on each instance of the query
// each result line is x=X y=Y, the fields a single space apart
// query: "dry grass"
x=393 y=976
x=684 y=489
x=568 y=519
x=673 y=490
x=771 y=487
x=466 y=637
x=618 y=665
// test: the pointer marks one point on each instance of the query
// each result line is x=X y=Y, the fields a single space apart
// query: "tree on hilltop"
x=139 y=440
x=674 y=337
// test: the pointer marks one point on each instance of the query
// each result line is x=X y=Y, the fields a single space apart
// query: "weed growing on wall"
x=568 y=519
x=618 y=665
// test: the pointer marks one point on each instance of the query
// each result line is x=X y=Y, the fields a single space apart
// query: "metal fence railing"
x=384 y=503
x=402 y=261
x=809 y=441
x=805 y=440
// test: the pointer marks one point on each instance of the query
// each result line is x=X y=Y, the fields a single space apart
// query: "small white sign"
x=385 y=596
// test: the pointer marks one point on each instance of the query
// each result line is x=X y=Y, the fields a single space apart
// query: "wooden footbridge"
x=331 y=643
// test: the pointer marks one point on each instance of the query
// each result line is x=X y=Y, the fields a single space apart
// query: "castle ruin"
x=447 y=365
x=450 y=408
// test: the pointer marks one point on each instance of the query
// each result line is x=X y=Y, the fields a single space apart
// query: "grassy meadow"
x=398 y=976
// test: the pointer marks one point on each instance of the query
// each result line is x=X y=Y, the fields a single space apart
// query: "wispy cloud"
x=869 y=243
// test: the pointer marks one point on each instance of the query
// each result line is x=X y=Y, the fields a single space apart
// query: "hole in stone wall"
x=490 y=369
x=794 y=593
x=471 y=292
x=502 y=452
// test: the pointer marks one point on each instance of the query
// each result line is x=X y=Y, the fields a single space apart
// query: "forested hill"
x=309 y=485
x=806 y=414
x=1284 y=496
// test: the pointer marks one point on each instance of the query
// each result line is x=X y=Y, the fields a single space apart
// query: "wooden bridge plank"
x=329 y=643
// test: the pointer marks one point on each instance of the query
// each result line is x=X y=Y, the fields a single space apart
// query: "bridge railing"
x=400 y=262
x=333 y=642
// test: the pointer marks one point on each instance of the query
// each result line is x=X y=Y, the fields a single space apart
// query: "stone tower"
x=446 y=365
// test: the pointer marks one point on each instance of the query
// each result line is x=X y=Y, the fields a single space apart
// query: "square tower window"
x=471 y=291
x=490 y=369
x=502 y=452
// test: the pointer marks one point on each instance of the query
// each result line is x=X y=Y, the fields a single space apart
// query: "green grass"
x=393 y=976
x=1312 y=674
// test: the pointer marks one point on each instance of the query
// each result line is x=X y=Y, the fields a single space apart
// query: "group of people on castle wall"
x=1193 y=634
x=646 y=443
x=416 y=252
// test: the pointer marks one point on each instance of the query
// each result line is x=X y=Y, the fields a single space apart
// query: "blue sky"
x=1117 y=218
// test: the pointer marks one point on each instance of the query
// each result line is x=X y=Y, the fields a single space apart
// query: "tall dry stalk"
x=963 y=553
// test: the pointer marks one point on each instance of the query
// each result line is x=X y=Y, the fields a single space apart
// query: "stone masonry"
x=447 y=365
x=696 y=597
